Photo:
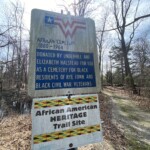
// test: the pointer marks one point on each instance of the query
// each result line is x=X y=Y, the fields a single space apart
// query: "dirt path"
x=131 y=119
x=129 y=126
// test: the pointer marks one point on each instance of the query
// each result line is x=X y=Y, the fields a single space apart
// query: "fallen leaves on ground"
x=15 y=132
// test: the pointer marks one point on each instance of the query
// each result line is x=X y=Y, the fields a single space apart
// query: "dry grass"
x=15 y=132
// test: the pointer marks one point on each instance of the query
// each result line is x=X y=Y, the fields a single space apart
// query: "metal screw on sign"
x=71 y=145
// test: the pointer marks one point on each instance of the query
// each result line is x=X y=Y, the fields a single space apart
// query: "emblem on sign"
x=68 y=27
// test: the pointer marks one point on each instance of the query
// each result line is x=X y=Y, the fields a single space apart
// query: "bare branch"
x=4 y=44
x=135 y=20
x=134 y=27
x=2 y=33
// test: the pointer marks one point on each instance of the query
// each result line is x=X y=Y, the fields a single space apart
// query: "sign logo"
x=68 y=28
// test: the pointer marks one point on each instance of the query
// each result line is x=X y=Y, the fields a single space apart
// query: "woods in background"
x=122 y=34
x=13 y=46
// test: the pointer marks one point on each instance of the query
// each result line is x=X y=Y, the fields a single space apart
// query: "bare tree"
x=80 y=7
x=100 y=37
x=121 y=12
x=19 y=11
x=5 y=28
x=141 y=54
x=102 y=40
x=15 y=51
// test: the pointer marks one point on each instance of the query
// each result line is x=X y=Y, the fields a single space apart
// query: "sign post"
x=63 y=61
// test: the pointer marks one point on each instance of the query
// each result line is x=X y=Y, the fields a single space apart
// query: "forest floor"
x=125 y=126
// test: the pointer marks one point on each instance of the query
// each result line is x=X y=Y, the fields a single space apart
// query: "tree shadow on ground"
x=113 y=130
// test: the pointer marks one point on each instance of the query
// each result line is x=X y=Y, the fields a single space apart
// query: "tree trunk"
x=122 y=71
x=127 y=67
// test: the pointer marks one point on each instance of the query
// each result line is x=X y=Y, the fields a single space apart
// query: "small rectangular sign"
x=61 y=123
x=63 y=69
